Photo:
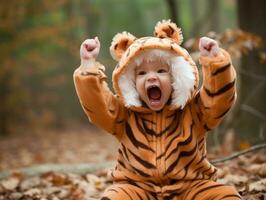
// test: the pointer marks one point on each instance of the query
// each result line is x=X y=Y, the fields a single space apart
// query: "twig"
x=90 y=168
x=237 y=154
x=253 y=111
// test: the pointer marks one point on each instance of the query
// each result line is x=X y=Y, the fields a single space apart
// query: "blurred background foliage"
x=39 y=50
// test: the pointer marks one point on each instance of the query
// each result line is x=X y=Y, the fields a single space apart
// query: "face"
x=153 y=83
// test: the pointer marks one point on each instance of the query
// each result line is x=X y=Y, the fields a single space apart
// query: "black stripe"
x=147 y=130
x=125 y=151
x=232 y=195
x=134 y=141
x=187 y=166
x=169 y=144
x=105 y=198
x=182 y=154
x=140 y=197
x=147 y=195
x=141 y=172
x=141 y=130
x=147 y=120
x=174 y=122
x=132 y=182
x=143 y=162
x=121 y=163
x=222 y=69
x=160 y=156
x=220 y=91
x=223 y=114
x=204 y=189
x=125 y=192
x=205 y=171
x=197 y=169
x=200 y=142
x=211 y=174
x=113 y=190
x=183 y=143
x=120 y=121
x=206 y=127
x=168 y=127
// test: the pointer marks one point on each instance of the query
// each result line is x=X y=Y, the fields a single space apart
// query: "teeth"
x=152 y=86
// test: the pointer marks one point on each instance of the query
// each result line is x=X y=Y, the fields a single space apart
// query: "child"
x=157 y=114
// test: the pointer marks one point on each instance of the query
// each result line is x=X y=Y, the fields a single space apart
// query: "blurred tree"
x=173 y=11
x=39 y=45
x=12 y=93
x=251 y=118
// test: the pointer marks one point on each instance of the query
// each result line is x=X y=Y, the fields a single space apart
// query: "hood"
x=130 y=51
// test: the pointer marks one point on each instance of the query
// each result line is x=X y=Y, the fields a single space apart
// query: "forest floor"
x=89 y=145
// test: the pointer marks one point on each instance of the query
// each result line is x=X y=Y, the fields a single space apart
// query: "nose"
x=152 y=78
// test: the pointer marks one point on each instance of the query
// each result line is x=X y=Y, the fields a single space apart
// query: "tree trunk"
x=214 y=8
x=251 y=120
x=173 y=11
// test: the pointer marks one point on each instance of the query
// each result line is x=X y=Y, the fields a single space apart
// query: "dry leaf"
x=259 y=169
x=30 y=182
x=33 y=192
x=259 y=186
x=95 y=181
x=233 y=179
x=10 y=183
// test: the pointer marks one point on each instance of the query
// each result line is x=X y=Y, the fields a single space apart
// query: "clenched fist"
x=208 y=47
x=89 y=49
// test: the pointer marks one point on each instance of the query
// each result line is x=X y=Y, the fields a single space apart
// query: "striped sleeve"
x=218 y=92
x=100 y=105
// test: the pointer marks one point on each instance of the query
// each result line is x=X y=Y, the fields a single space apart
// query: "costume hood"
x=130 y=52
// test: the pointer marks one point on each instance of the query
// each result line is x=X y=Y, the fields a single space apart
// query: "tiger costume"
x=162 y=154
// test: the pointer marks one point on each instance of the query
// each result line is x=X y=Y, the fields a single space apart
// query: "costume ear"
x=120 y=43
x=168 y=29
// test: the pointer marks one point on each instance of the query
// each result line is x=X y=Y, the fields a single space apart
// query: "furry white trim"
x=128 y=88
x=183 y=81
x=181 y=71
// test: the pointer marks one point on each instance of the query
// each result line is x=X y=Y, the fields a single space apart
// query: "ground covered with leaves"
x=247 y=173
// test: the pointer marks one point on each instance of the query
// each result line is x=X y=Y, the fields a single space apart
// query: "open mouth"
x=154 y=93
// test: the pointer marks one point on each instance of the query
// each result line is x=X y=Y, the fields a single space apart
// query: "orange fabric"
x=161 y=149
x=196 y=190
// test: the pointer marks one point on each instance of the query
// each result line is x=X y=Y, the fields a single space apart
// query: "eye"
x=141 y=73
x=161 y=71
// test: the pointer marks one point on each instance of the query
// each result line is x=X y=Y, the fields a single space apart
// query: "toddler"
x=158 y=115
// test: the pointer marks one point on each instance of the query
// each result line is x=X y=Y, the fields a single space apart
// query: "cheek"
x=167 y=86
x=140 y=85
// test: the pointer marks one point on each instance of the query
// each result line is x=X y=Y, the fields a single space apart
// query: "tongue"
x=155 y=93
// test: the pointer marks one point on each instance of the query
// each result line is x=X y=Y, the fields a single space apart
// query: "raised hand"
x=209 y=47
x=89 y=49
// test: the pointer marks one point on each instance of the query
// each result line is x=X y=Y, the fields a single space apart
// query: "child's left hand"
x=209 y=47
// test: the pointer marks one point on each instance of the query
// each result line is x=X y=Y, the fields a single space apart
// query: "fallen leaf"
x=10 y=183
x=30 y=183
x=258 y=186
x=32 y=192
x=259 y=169
x=233 y=179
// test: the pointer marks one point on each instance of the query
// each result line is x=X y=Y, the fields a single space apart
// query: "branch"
x=253 y=111
x=237 y=154
x=64 y=168
x=90 y=168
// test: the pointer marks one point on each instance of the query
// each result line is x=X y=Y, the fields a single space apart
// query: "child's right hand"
x=89 y=49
